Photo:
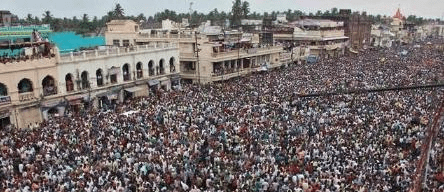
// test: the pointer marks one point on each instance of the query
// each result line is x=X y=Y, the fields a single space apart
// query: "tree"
x=334 y=11
x=29 y=18
x=245 y=9
x=319 y=13
x=141 y=17
x=85 y=18
x=36 y=20
x=236 y=13
x=119 y=12
x=47 y=17
x=327 y=13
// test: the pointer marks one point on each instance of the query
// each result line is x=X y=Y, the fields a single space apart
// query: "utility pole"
x=197 y=56
x=292 y=44
x=238 y=56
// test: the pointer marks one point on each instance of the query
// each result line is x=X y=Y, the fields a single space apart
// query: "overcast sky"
x=69 y=8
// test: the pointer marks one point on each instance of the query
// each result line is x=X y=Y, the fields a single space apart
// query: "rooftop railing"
x=111 y=51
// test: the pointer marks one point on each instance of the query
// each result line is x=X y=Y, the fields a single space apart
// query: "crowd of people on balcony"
x=250 y=134
x=24 y=52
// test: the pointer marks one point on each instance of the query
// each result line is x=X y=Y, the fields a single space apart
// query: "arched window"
x=162 y=67
x=85 y=80
x=151 y=68
x=3 y=90
x=112 y=72
x=25 y=85
x=126 y=72
x=48 y=85
x=172 y=66
x=139 y=70
x=99 y=77
x=69 y=83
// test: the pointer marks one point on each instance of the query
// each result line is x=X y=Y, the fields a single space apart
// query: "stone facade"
x=27 y=85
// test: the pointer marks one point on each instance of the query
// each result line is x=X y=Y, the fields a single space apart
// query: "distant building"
x=319 y=37
x=381 y=36
x=281 y=19
x=210 y=53
x=6 y=18
x=251 y=25
x=397 y=24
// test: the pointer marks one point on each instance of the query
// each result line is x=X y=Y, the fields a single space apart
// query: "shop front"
x=175 y=82
x=153 y=85
x=108 y=99
x=76 y=103
x=53 y=108
x=5 y=118
x=137 y=91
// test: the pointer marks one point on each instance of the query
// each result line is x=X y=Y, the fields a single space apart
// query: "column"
x=235 y=64
x=241 y=64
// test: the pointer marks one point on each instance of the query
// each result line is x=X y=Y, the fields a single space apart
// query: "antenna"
x=191 y=10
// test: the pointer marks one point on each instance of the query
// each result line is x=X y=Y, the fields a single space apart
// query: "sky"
x=69 y=8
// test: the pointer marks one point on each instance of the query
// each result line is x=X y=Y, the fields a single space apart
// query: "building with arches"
x=34 y=87
x=27 y=87
x=99 y=78
x=206 y=56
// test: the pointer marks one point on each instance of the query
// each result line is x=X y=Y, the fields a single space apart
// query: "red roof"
x=399 y=14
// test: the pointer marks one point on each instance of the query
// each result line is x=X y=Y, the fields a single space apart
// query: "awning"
x=245 y=39
x=134 y=89
x=334 y=38
x=76 y=99
x=153 y=82
x=51 y=103
x=353 y=51
x=5 y=113
x=111 y=94
x=138 y=91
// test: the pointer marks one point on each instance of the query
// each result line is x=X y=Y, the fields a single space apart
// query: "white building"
x=381 y=36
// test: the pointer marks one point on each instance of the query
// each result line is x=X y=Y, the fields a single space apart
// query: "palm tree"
x=118 y=11
x=29 y=18
x=245 y=9
x=47 y=17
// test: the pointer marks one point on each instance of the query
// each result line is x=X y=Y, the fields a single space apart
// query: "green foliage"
x=240 y=10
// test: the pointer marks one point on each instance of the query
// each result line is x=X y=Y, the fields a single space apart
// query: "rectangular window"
x=126 y=43
x=116 y=42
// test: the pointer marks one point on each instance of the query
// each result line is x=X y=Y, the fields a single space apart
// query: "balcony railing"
x=29 y=96
x=166 y=36
x=50 y=90
x=246 y=52
x=4 y=100
x=114 y=51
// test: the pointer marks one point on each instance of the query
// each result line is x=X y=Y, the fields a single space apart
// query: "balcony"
x=5 y=100
x=241 y=53
x=28 y=96
x=166 y=36
x=114 y=51
x=50 y=90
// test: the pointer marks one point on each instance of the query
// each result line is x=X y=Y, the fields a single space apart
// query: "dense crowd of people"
x=255 y=133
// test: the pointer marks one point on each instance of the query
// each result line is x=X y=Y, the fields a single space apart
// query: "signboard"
x=4 y=100
x=5 y=113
